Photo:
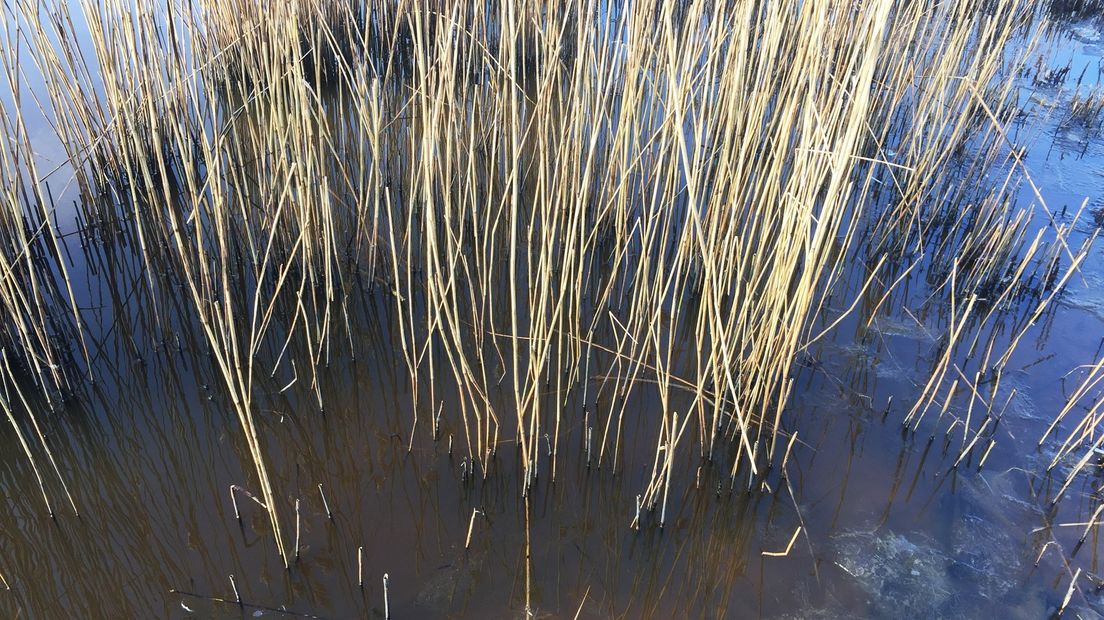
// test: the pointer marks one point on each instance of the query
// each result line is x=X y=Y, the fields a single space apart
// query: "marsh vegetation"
x=437 y=307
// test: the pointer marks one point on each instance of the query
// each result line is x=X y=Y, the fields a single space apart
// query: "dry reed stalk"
x=296 y=530
x=1092 y=522
x=1069 y=592
x=471 y=528
x=234 y=502
x=789 y=547
x=1085 y=437
x=234 y=586
x=325 y=503
x=386 y=602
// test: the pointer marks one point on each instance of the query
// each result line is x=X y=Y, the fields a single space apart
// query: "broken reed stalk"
x=1092 y=522
x=789 y=546
x=1069 y=593
x=325 y=503
x=234 y=502
x=471 y=528
x=234 y=586
x=985 y=455
x=579 y=611
x=386 y=602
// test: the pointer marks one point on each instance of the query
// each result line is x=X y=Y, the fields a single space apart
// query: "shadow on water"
x=872 y=517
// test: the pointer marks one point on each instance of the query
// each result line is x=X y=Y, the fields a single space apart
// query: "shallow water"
x=889 y=528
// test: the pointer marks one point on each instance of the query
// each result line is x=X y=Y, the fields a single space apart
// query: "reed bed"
x=566 y=203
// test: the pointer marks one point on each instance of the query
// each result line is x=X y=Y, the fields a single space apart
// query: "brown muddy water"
x=889 y=527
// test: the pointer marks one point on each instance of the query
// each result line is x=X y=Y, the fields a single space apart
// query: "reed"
x=1069 y=592
x=325 y=502
x=234 y=587
x=1083 y=441
x=386 y=601
x=471 y=528
x=647 y=198
x=297 y=530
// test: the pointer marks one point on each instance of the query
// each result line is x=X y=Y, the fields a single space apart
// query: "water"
x=888 y=527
